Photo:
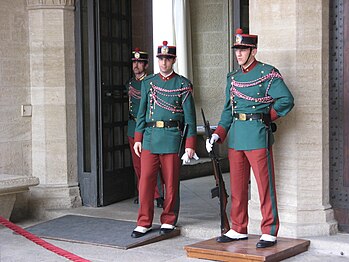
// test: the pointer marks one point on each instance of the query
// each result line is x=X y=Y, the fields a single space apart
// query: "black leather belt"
x=132 y=117
x=245 y=117
x=163 y=124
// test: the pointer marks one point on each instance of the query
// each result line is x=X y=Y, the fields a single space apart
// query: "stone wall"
x=295 y=40
x=210 y=22
x=15 y=133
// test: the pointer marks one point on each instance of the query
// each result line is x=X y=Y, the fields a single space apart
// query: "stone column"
x=53 y=96
x=294 y=38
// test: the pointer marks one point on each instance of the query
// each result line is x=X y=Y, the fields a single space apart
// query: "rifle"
x=181 y=145
x=219 y=190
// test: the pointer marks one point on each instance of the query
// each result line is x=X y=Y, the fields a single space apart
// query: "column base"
x=47 y=198
x=298 y=223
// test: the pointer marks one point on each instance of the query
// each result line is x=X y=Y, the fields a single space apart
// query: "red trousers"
x=262 y=165
x=170 y=170
x=137 y=167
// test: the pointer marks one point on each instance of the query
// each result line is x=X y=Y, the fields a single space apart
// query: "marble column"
x=53 y=98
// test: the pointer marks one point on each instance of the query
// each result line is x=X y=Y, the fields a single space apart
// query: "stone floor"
x=199 y=220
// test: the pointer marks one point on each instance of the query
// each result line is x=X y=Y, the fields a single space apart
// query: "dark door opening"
x=339 y=112
x=103 y=30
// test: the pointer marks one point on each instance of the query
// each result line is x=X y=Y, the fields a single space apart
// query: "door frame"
x=88 y=179
x=96 y=188
x=338 y=108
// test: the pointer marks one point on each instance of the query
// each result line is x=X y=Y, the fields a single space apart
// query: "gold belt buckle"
x=159 y=124
x=242 y=117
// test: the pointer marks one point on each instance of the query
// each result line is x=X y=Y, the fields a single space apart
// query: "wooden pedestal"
x=245 y=250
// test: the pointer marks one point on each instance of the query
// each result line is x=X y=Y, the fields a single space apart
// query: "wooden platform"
x=245 y=250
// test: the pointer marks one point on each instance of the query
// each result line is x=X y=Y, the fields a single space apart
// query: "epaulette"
x=230 y=74
x=149 y=77
x=185 y=80
x=267 y=68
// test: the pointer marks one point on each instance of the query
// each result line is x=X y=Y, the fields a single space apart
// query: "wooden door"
x=114 y=41
x=339 y=111
x=103 y=48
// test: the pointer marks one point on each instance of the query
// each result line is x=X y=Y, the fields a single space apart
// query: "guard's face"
x=139 y=67
x=243 y=54
x=166 y=64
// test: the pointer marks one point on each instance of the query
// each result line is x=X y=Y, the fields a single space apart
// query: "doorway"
x=339 y=112
x=103 y=48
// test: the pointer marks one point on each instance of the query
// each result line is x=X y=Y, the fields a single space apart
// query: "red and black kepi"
x=244 y=40
x=138 y=55
x=166 y=50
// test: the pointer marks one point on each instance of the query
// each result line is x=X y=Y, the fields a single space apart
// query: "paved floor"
x=199 y=220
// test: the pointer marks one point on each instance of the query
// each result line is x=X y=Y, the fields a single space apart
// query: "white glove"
x=211 y=141
x=186 y=158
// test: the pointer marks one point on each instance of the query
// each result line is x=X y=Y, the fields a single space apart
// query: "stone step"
x=337 y=244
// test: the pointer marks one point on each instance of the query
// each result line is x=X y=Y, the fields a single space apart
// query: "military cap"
x=244 y=40
x=166 y=50
x=138 y=55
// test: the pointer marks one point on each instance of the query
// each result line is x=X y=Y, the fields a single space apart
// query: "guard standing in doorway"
x=166 y=107
x=139 y=66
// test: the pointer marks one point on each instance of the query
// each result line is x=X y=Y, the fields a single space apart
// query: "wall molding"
x=51 y=4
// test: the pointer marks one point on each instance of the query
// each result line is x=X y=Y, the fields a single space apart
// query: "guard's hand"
x=189 y=153
x=211 y=141
x=138 y=148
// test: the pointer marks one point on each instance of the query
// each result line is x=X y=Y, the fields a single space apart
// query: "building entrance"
x=103 y=59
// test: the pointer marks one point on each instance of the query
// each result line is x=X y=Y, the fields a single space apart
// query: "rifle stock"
x=181 y=145
x=218 y=191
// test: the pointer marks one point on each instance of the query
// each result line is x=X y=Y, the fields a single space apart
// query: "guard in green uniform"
x=256 y=95
x=139 y=66
x=166 y=106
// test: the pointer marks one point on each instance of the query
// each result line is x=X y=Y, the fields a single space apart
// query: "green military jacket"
x=260 y=90
x=133 y=88
x=165 y=99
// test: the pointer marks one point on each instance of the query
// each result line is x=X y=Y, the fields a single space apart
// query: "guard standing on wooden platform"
x=166 y=106
x=139 y=66
x=256 y=95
